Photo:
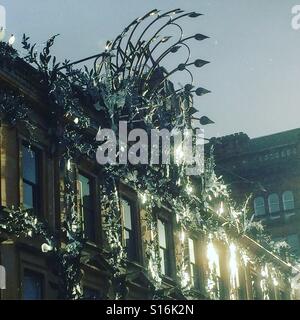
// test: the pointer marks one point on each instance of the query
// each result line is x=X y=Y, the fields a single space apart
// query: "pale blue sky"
x=254 y=73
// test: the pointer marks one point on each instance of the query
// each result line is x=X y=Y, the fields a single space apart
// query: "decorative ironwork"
x=136 y=56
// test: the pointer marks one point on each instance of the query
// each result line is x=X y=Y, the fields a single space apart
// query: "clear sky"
x=254 y=74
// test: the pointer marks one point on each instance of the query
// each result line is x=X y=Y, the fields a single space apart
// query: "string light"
x=76 y=120
x=143 y=197
x=189 y=189
x=275 y=282
x=69 y=165
x=182 y=236
x=221 y=209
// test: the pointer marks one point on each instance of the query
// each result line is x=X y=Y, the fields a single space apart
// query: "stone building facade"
x=31 y=177
x=267 y=169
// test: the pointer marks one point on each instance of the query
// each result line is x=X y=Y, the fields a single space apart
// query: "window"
x=129 y=218
x=31 y=179
x=288 y=200
x=86 y=197
x=194 y=271
x=259 y=206
x=164 y=247
x=91 y=294
x=273 y=201
x=32 y=285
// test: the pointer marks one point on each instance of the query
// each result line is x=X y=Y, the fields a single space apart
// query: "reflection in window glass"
x=288 y=200
x=163 y=247
x=129 y=231
x=31 y=188
x=259 y=206
x=273 y=201
x=86 y=206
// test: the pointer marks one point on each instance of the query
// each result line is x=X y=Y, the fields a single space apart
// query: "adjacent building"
x=267 y=169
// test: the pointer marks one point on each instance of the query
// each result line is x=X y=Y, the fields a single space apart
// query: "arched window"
x=259 y=206
x=273 y=201
x=288 y=200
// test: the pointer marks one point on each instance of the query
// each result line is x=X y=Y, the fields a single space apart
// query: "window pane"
x=162 y=261
x=27 y=196
x=89 y=225
x=127 y=237
x=32 y=286
x=288 y=200
x=85 y=191
x=192 y=251
x=162 y=234
x=273 y=203
x=259 y=206
x=29 y=165
x=91 y=294
x=126 y=209
x=87 y=212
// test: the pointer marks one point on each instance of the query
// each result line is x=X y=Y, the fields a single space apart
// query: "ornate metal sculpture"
x=135 y=56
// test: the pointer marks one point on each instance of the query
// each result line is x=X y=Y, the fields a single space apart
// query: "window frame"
x=274 y=214
x=94 y=210
x=164 y=215
x=129 y=195
x=40 y=274
x=284 y=201
x=255 y=206
x=196 y=282
x=38 y=188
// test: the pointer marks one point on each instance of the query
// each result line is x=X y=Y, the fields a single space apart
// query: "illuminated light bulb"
x=151 y=235
x=69 y=165
x=245 y=259
x=11 y=40
x=182 y=236
x=76 y=120
x=221 y=209
x=144 y=198
x=189 y=189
